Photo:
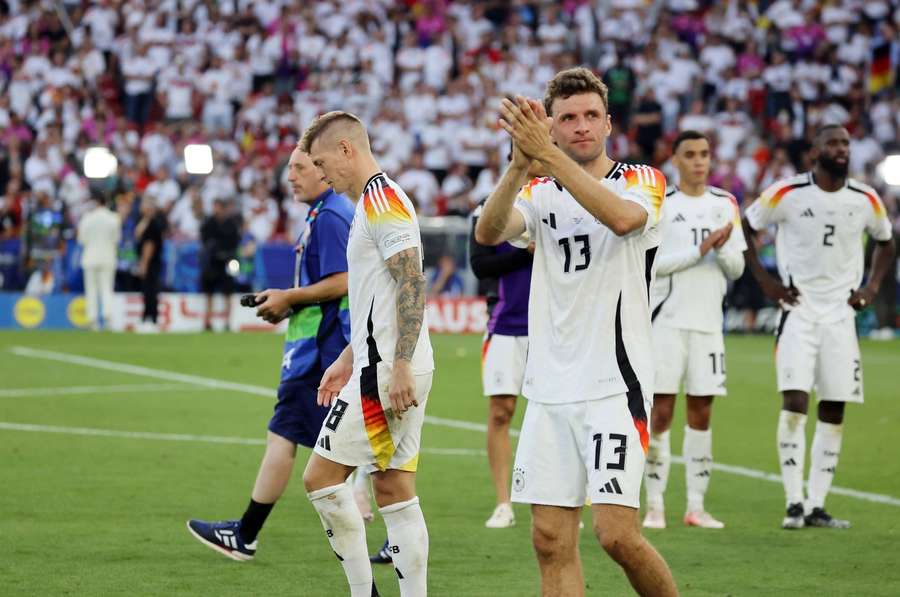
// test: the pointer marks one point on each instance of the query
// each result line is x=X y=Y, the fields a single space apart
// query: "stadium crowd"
x=145 y=78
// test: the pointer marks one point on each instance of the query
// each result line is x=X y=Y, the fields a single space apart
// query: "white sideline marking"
x=73 y=390
x=260 y=391
x=184 y=437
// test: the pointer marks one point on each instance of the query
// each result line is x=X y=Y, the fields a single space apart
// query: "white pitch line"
x=75 y=390
x=196 y=380
x=185 y=437
x=463 y=425
x=72 y=359
x=453 y=423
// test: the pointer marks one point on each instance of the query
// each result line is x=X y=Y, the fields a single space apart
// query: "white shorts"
x=820 y=356
x=695 y=358
x=361 y=429
x=568 y=449
x=503 y=364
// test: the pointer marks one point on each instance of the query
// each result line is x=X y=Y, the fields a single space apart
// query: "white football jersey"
x=689 y=290
x=819 y=244
x=588 y=313
x=384 y=224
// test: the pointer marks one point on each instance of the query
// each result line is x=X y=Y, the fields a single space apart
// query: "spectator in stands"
x=11 y=210
x=139 y=72
x=421 y=184
x=187 y=215
x=163 y=189
x=456 y=189
x=445 y=280
x=648 y=119
x=620 y=79
x=789 y=67
x=260 y=212
x=41 y=169
x=220 y=236
x=178 y=92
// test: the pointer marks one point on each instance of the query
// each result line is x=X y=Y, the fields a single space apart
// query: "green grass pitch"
x=104 y=514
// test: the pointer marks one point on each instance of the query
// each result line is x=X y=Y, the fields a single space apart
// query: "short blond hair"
x=574 y=81
x=323 y=122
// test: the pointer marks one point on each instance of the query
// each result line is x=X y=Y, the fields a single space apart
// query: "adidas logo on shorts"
x=612 y=486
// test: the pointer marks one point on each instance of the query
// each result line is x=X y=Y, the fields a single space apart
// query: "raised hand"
x=527 y=124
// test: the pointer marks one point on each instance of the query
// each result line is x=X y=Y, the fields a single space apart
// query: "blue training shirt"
x=317 y=334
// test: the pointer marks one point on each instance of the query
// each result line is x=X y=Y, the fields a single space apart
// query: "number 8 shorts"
x=361 y=428
x=570 y=452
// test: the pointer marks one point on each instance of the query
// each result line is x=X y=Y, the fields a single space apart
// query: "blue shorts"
x=297 y=417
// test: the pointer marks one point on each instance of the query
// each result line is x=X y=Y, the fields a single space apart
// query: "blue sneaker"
x=224 y=537
x=382 y=556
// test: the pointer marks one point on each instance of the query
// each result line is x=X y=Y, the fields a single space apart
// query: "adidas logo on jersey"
x=612 y=486
x=790 y=462
x=678 y=218
x=325 y=442
x=807 y=213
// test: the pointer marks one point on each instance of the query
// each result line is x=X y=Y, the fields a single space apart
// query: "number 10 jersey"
x=588 y=313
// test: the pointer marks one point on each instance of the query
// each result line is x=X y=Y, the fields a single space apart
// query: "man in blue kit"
x=318 y=331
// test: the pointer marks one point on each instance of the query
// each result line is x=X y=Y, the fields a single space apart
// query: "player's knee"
x=661 y=413
x=310 y=481
x=795 y=401
x=831 y=412
x=501 y=414
x=548 y=541
x=280 y=448
x=617 y=542
x=660 y=422
x=698 y=418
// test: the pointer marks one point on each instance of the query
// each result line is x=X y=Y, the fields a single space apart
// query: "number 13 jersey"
x=588 y=313
x=819 y=244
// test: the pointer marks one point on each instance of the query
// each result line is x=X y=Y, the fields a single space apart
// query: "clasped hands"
x=527 y=123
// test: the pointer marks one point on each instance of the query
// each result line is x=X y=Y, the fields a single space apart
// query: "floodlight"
x=99 y=163
x=198 y=158
x=889 y=170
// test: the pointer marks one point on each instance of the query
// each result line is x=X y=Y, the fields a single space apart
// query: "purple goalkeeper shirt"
x=510 y=314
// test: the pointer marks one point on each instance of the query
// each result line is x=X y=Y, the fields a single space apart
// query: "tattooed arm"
x=406 y=269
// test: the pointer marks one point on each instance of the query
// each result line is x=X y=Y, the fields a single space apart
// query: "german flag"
x=880 y=73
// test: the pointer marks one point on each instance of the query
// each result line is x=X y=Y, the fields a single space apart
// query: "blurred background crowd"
x=145 y=78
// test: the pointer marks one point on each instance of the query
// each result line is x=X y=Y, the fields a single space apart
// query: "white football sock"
x=408 y=545
x=346 y=533
x=656 y=472
x=697 y=452
x=823 y=459
x=791 y=451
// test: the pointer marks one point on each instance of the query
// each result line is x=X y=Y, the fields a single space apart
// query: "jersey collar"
x=372 y=179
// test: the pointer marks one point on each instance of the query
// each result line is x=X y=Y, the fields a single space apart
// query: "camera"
x=248 y=300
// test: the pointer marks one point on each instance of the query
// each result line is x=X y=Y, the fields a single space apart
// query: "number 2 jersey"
x=819 y=243
x=689 y=289
x=384 y=224
x=588 y=313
